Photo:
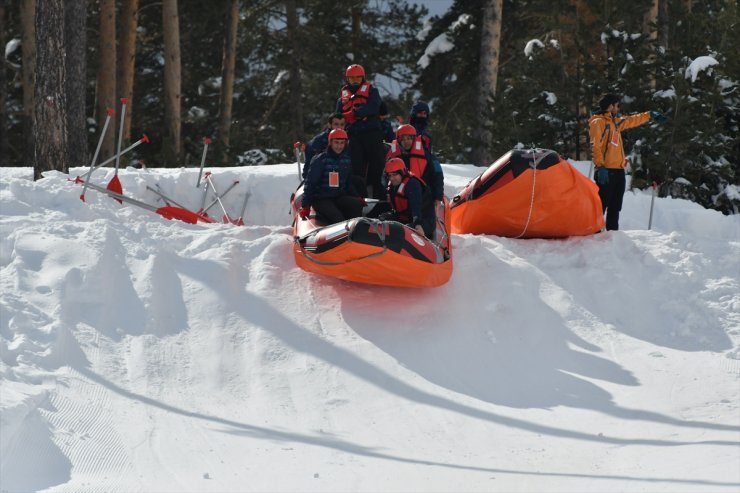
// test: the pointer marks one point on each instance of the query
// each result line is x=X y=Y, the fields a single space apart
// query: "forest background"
x=256 y=76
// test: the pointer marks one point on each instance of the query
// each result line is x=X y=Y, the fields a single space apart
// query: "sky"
x=139 y=354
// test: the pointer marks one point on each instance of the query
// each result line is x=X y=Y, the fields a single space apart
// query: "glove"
x=363 y=202
x=304 y=212
x=658 y=117
x=602 y=175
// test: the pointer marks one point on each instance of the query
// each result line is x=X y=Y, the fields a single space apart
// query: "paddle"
x=168 y=212
x=115 y=184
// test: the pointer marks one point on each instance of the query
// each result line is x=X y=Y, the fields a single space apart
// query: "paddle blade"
x=184 y=215
x=115 y=186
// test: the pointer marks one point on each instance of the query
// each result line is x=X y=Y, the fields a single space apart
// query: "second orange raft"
x=529 y=194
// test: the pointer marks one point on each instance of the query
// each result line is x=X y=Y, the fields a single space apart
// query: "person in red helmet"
x=410 y=147
x=405 y=198
x=360 y=102
x=328 y=188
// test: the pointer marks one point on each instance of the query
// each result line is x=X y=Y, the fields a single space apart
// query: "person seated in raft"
x=328 y=187
x=409 y=146
x=405 y=196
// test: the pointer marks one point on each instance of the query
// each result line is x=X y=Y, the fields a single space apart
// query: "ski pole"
x=109 y=112
x=652 y=202
x=206 y=141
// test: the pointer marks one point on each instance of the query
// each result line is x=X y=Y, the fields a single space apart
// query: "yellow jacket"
x=606 y=139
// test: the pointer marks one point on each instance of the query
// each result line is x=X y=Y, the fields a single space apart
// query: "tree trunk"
x=4 y=154
x=649 y=25
x=227 y=79
x=172 y=82
x=296 y=91
x=126 y=61
x=356 y=27
x=76 y=41
x=50 y=143
x=28 y=51
x=107 y=74
x=487 y=78
x=663 y=23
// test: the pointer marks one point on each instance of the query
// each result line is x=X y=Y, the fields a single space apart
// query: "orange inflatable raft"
x=371 y=251
x=529 y=194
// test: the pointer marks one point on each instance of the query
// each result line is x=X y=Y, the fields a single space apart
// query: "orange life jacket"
x=417 y=161
x=351 y=100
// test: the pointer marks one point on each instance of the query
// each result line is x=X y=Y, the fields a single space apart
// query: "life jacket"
x=350 y=100
x=417 y=164
x=398 y=200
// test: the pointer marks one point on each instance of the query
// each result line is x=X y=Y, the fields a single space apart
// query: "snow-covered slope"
x=140 y=354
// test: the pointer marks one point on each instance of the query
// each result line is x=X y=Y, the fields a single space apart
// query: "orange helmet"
x=354 y=70
x=337 y=133
x=405 y=130
x=395 y=165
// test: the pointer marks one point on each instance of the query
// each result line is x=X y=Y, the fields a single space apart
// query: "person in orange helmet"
x=405 y=197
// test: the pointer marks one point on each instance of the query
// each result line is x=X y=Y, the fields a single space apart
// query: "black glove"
x=658 y=117
x=602 y=175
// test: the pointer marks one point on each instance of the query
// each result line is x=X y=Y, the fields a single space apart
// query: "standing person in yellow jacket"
x=607 y=152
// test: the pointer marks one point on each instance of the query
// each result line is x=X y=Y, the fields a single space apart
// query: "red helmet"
x=394 y=165
x=405 y=130
x=354 y=70
x=337 y=133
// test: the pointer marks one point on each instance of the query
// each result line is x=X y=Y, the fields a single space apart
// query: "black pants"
x=611 y=195
x=368 y=159
x=338 y=209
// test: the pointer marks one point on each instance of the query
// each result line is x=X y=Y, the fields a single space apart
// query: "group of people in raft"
x=345 y=163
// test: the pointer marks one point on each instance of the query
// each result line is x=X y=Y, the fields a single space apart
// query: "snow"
x=531 y=45
x=440 y=44
x=665 y=94
x=698 y=65
x=11 y=46
x=139 y=354
x=443 y=43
